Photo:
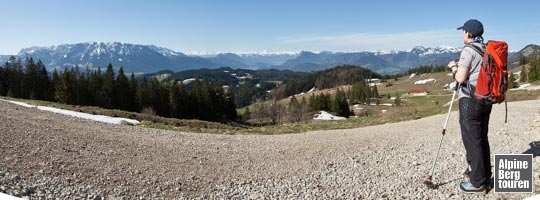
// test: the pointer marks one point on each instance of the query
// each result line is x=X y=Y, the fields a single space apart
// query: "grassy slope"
x=412 y=108
x=146 y=119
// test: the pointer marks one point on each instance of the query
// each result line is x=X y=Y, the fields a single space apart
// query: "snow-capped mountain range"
x=151 y=58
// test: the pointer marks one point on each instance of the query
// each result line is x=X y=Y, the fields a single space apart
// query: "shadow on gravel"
x=436 y=186
x=534 y=150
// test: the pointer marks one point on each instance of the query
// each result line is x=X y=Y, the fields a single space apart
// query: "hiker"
x=473 y=115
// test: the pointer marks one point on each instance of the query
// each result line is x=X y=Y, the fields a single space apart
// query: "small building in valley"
x=418 y=92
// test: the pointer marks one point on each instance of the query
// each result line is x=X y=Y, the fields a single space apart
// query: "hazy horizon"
x=276 y=26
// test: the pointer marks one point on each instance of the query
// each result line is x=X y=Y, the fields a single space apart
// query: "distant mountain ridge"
x=151 y=58
x=526 y=52
x=384 y=62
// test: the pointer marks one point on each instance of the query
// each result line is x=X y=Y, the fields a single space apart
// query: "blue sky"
x=252 y=26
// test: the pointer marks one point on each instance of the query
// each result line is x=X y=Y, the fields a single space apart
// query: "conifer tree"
x=230 y=105
x=534 y=67
x=342 y=106
x=83 y=94
x=144 y=94
x=523 y=75
x=54 y=80
x=185 y=102
x=64 y=89
x=3 y=81
x=29 y=84
x=133 y=93
x=107 y=88
x=122 y=91
x=101 y=98
x=43 y=82
x=174 y=100
x=375 y=92
x=15 y=74
x=511 y=81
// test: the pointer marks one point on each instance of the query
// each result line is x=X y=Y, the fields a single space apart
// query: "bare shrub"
x=148 y=114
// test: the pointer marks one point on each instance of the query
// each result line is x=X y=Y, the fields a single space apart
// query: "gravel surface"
x=46 y=155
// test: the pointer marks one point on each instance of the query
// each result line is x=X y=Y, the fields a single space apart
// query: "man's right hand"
x=452 y=63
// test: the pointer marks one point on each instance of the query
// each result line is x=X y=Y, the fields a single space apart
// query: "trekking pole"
x=429 y=181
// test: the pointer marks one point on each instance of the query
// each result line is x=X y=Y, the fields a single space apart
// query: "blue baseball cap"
x=473 y=26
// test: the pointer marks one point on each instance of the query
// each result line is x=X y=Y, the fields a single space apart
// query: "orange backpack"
x=492 y=81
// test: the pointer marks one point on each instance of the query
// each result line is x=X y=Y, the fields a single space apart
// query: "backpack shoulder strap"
x=475 y=48
x=480 y=51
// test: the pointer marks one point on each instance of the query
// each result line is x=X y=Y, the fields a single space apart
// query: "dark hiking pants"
x=474 y=121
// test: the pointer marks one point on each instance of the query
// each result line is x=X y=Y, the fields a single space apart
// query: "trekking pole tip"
x=429 y=183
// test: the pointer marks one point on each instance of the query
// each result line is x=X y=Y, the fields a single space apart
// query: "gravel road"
x=46 y=155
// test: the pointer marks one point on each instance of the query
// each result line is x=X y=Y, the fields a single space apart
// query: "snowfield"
x=323 y=115
x=99 y=118
x=424 y=81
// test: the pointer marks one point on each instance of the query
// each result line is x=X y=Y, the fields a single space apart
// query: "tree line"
x=274 y=112
x=424 y=69
x=533 y=74
x=206 y=100
x=329 y=78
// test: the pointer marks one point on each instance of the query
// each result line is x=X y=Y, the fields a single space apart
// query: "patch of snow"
x=412 y=75
x=381 y=104
x=385 y=52
x=312 y=89
x=323 y=115
x=383 y=111
x=99 y=118
x=424 y=81
x=19 y=103
x=512 y=50
x=189 y=80
x=523 y=86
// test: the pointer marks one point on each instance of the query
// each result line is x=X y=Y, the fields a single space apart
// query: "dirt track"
x=46 y=155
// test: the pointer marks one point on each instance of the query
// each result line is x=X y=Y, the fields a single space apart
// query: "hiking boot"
x=468 y=187
x=489 y=184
